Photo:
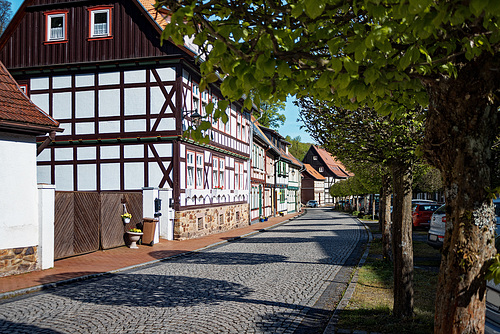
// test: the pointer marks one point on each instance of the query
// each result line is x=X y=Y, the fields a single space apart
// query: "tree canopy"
x=5 y=13
x=271 y=114
x=390 y=56
x=297 y=148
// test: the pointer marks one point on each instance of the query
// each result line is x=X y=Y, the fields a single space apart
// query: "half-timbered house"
x=281 y=170
x=327 y=165
x=294 y=183
x=312 y=185
x=264 y=156
x=124 y=99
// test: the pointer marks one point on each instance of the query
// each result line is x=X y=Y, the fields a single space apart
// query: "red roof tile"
x=17 y=111
x=293 y=159
x=160 y=18
x=313 y=172
x=335 y=166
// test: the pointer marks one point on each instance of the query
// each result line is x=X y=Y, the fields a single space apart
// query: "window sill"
x=55 y=42
x=98 y=38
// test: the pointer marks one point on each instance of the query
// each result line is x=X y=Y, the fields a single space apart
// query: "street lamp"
x=194 y=116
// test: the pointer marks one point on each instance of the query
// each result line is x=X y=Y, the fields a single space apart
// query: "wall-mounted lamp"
x=194 y=116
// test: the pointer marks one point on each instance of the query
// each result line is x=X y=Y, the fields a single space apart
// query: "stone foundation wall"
x=18 y=260
x=200 y=222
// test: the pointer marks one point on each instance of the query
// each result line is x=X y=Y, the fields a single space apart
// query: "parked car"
x=421 y=214
x=422 y=201
x=492 y=325
x=312 y=203
x=435 y=237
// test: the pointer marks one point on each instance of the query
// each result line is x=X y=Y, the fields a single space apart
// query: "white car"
x=435 y=236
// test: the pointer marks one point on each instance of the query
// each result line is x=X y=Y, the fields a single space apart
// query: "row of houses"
x=121 y=100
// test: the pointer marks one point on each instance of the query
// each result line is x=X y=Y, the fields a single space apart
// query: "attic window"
x=100 y=22
x=321 y=169
x=315 y=157
x=55 y=26
x=24 y=89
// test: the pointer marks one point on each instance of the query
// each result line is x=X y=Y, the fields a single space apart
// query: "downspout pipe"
x=46 y=142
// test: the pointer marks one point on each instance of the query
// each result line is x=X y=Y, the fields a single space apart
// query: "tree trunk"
x=373 y=206
x=385 y=217
x=460 y=131
x=402 y=240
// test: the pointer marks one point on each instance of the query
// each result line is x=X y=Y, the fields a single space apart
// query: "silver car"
x=435 y=236
x=492 y=325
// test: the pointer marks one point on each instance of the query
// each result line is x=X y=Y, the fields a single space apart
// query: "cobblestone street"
x=267 y=283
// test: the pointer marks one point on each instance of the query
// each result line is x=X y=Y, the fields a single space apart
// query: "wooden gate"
x=88 y=221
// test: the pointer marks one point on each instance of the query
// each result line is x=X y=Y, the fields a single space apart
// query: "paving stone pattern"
x=266 y=283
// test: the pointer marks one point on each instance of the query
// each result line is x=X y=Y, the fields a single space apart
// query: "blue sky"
x=291 y=126
x=15 y=5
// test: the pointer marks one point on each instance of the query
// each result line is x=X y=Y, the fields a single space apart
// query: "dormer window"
x=100 y=22
x=55 y=26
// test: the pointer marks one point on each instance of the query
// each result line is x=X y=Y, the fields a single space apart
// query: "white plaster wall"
x=46 y=219
x=18 y=191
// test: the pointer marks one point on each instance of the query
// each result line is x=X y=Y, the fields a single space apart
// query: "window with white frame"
x=236 y=175
x=315 y=157
x=196 y=98
x=242 y=179
x=238 y=126
x=215 y=173
x=321 y=169
x=56 y=26
x=100 y=22
x=262 y=158
x=255 y=198
x=228 y=123
x=199 y=171
x=221 y=173
x=190 y=170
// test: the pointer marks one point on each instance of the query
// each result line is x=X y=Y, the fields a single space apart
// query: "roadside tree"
x=390 y=56
x=363 y=136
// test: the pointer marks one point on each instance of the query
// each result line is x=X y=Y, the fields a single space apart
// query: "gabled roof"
x=161 y=19
x=334 y=165
x=257 y=131
x=18 y=113
x=293 y=160
x=313 y=172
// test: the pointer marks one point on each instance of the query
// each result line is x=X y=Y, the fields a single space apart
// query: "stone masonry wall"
x=18 y=260
x=200 y=222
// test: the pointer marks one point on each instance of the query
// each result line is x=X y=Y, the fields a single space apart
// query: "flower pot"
x=126 y=220
x=133 y=237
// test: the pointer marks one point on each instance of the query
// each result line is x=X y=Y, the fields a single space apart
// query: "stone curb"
x=331 y=327
x=15 y=293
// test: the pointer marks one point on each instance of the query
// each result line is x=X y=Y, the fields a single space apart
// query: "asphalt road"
x=285 y=280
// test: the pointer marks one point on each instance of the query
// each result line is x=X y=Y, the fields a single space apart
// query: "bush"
x=355 y=213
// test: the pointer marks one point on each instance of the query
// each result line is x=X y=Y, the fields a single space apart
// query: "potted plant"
x=134 y=234
x=126 y=217
x=261 y=218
